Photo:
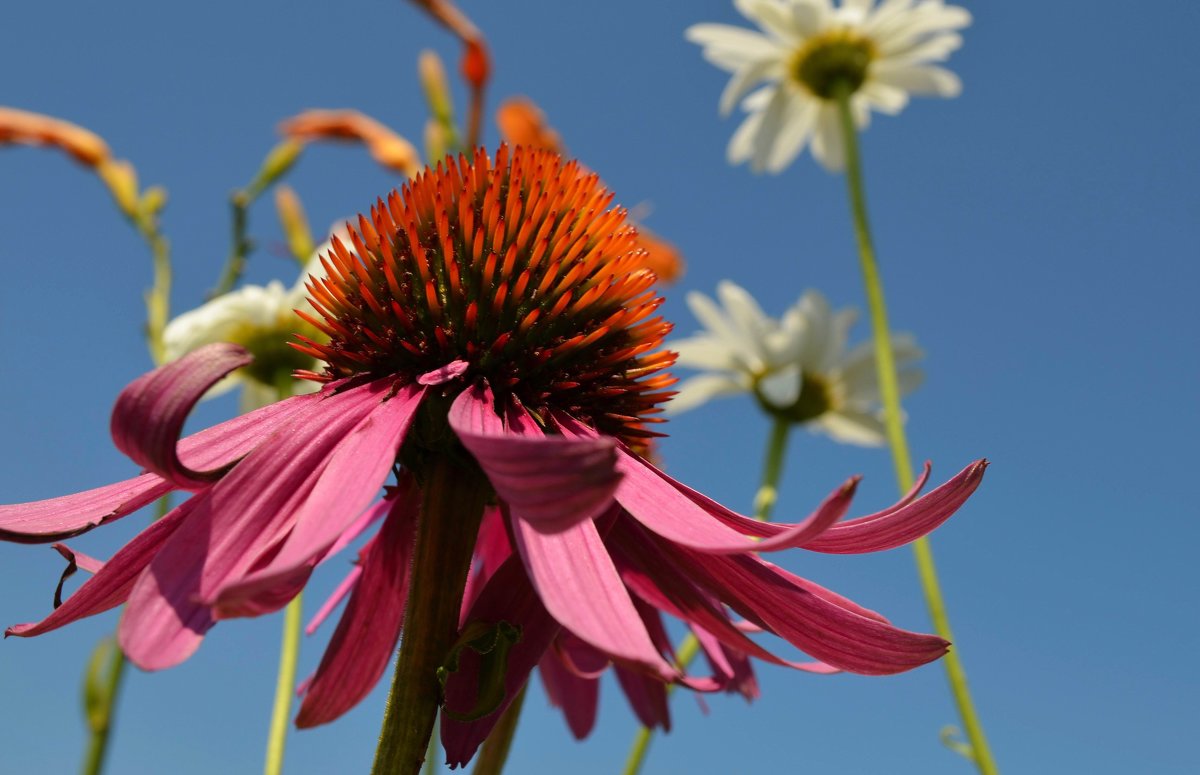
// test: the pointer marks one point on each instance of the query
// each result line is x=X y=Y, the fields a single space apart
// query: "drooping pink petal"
x=578 y=657
x=79 y=559
x=344 y=588
x=150 y=411
x=647 y=697
x=366 y=636
x=898 y=526
x=352 y=478
x=548 y=482
x=508 y=597
x=70 y=515
x=236 y=522
x=578 y=697
x=576 y=580
x=832 y=634
x=657 y=576
x=112 y=582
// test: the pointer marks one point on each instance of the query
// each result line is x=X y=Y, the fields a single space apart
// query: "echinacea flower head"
x=491 y=319
x=798 y=367
x=809 y=51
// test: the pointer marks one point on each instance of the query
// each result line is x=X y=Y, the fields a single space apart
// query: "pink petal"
x=68 y=515
x=508 y=597
x=578 y=697
x=575 y=577
x=578 y=657
x=444 y=374
x=361 y=647
x=647 y=697
x=345 y=587
x=833 y=634
x=900 y=525
x=549 y=482
x=113 y=580
x=658 y=577
x=238 y=521
x=150 y=411
x=352 y=478
x=672 y=510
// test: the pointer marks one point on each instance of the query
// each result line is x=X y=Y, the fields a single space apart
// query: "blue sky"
x=1038 y=235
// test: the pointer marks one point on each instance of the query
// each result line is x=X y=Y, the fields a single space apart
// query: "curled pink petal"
x=647 y=697
x=548 y=482
x=344 y=588
x=366 y=636
x=901 y=524
x=70 y=515
x=150 y=412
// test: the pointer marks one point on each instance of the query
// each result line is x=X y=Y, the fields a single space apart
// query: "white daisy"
x=261 y=319
x=808 y=51
x=797 y=368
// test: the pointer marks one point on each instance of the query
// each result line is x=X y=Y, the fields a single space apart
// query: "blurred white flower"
x=808 y=50
x=798 y=368
x=261 y=319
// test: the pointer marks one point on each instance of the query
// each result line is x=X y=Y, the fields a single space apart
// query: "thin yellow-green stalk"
x=889 y=390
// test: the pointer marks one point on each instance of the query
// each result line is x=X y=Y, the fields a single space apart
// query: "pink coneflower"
x=491 y=341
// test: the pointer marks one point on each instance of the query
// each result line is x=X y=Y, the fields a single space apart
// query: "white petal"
x=713 y=318
x=698 y=390
x=852 y=428
x=730 y=47
x=883 y=96
x=745 y=314
x=781 y=388
x=768 y=130
x=741 y=145
x=226 y=318
x=704 y=352
x=923 y=80
x=744 y=79
x=793 y=135
x=827 y=139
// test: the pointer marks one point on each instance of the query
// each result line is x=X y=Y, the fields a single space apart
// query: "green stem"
x=284 y=687
x=240 y=246
x=100 y=724
x=689 y=647
x=494 y=752
x=890 y=392
x=453 y=501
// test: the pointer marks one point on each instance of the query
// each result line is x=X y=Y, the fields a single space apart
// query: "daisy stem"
x=284 y=687
x=100 y=720
x=889 y=390
x=494 y=752
x=289 y=650
x=452 y=507
x=689 y=647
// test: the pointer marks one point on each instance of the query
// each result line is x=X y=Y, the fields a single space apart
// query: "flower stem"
x=689 y=647
x=452 y=507
x=284 y=687
x=494 y=752
x=100 y=719
x=890 y=392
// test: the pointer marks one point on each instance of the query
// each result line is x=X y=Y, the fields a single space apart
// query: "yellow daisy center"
x=837 y=59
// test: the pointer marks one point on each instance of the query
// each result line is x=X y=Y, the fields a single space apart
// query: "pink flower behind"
x=492 y=317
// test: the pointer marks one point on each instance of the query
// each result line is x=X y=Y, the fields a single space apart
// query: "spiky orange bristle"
x=518 y=267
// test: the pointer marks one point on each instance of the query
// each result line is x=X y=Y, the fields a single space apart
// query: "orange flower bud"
x=385 y=146
x=25 y=128
x=522 y=122
x=662 y=257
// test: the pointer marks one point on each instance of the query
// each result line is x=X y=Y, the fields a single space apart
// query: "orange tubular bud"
x=25 y=128
x=522 y=122
x=385 y=146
